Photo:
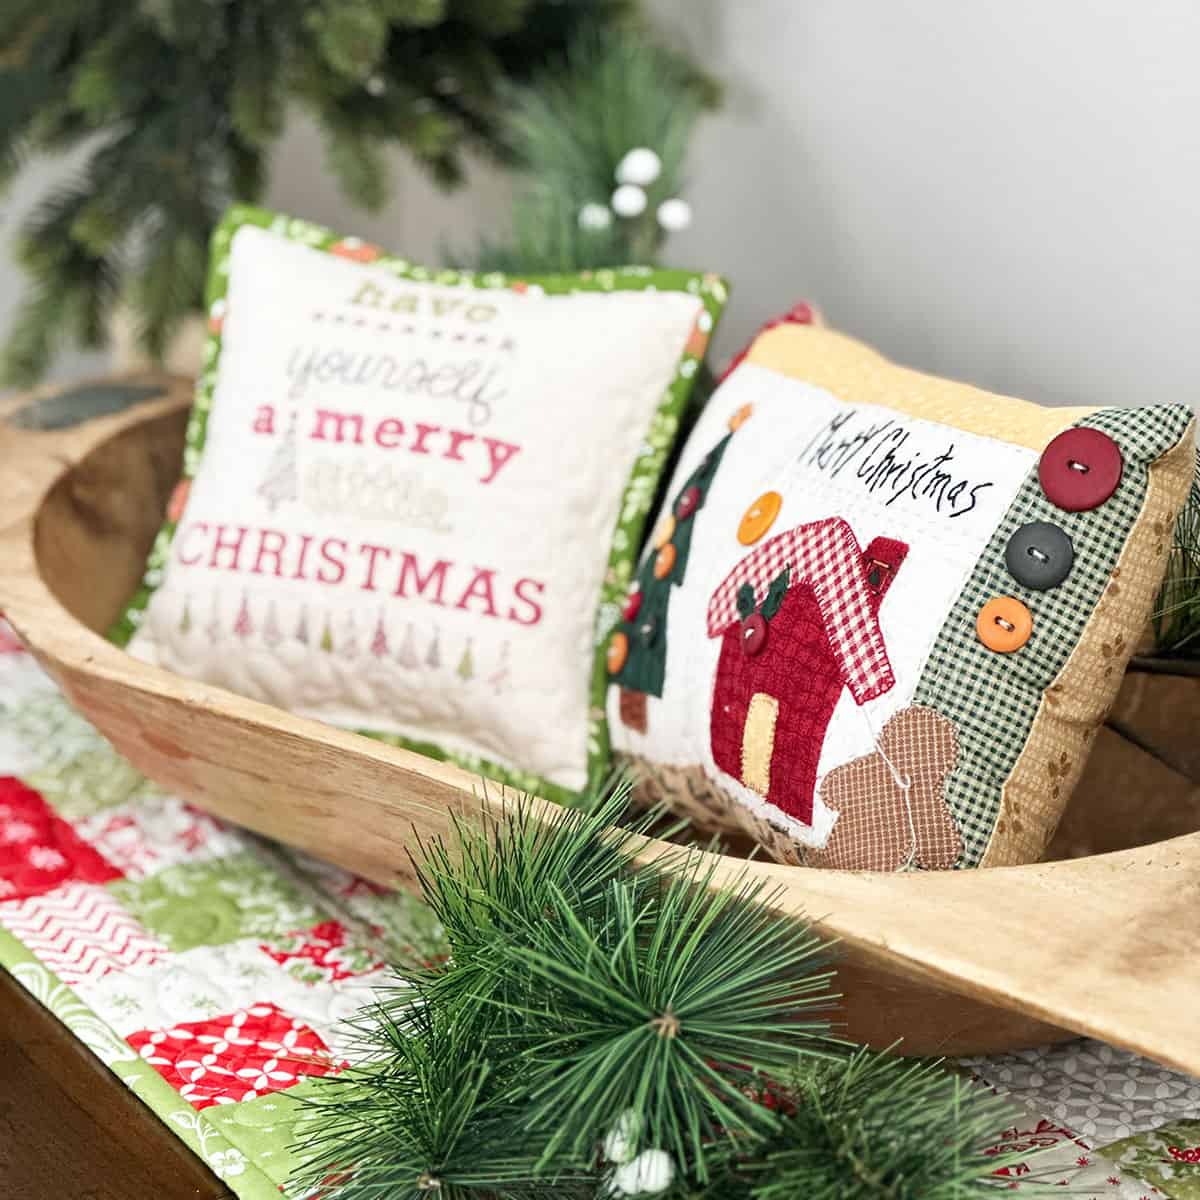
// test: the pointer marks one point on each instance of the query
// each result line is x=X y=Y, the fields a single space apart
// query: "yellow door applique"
x=758 y=742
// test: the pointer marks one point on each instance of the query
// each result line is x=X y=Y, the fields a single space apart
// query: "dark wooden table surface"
x=70 y=1131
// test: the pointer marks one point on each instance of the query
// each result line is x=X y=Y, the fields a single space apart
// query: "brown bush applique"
x=631 y=706
x=1112 y=650
x=872 y=831
x=1058 y=769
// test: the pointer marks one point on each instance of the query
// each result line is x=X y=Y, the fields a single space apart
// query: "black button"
x=1039 y=555
x=647 y=631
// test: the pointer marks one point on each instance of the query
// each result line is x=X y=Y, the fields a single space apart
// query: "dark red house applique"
x=798 y=622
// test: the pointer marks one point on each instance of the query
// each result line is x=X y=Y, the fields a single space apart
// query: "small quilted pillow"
x=882 y=615
x=409 y=495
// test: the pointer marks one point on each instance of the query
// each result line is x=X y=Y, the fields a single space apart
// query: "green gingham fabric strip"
x=993 y=698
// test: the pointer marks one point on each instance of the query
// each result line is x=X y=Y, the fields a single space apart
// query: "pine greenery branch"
x=432 y=1117
x=569 y=131
x=678 y=1006
x=595 y=1015
x=1177 y=615
x=176 y=105
x=874 y=1127
x=498 y=879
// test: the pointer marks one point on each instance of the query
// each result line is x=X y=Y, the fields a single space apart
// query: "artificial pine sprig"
x=873 y=1127
x=430 y=1116
x=677 y=1006
x=497 y=879
x=1177 y=614
x=603 y=1027
x=601 y=140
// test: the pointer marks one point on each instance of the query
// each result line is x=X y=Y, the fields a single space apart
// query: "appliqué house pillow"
x=408 y=495
x=882 y=615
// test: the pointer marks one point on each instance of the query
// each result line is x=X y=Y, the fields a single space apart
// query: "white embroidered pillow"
x=411 y=499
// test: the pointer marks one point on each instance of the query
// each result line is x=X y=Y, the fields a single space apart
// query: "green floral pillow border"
x=636 y=501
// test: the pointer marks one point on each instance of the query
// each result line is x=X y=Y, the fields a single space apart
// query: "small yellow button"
x=664 y=561
x=759 y=517
x=1004 y=624
x=665 y=531
x=618 y=652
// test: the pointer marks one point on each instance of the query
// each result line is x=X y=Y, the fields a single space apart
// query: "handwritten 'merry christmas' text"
x=886 y=459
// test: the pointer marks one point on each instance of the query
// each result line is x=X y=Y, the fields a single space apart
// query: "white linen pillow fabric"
x=411 y=498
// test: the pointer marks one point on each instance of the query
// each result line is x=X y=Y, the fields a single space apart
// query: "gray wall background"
x=1004 y=192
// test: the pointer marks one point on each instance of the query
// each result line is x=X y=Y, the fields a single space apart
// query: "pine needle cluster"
x=603 y=1027
x=176 y=104
x=613 y=92
x=1177 y=615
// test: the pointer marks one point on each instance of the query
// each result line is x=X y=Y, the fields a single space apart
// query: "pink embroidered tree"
x=302 y=626
x=407 y=654
x=434 y=657
x=350 y=641
x=379 y=640
x=242 y=625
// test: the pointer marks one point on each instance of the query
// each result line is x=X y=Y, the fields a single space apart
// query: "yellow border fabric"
x=856 y=374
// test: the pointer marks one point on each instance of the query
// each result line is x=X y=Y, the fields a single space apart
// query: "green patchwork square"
x=209 y=904
x=264 y=1129
x=80 y=773
x=1168 y=1158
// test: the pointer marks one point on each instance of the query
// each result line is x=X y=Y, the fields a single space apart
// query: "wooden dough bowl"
x=1104 y=941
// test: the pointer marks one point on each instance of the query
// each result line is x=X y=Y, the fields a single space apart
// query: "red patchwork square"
x=235 y=1057
x=39 y=851
x=9 y=642
x=323 y=953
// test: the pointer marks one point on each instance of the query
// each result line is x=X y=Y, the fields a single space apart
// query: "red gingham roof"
x=826 y=555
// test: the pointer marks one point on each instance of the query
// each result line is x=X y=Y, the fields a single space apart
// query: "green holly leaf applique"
x=773 y=600
x=745 y=600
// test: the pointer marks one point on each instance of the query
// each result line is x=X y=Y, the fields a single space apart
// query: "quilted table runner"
x=212 y=972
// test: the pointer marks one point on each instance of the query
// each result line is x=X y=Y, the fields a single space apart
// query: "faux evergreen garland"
x=1177 y=618
x=601 y=140
x=179 y=102
x=604 y=1028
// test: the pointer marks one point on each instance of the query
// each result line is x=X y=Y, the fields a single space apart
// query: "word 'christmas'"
x=368 y=566
x=490 y=454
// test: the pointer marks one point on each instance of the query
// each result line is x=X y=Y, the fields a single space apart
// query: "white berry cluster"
x=635 y=1174
x=636 y=172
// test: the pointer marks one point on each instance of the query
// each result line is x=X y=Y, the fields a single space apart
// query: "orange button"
x=740 y=417
x=618 y=652
x=664 y=532
x=1004 y=624
x=664 y=561
x=759 y=517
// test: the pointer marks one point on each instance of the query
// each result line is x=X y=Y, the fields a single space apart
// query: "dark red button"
x=633 y=605
x=754 y=634
x=687 y=503
x=1080 y=469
